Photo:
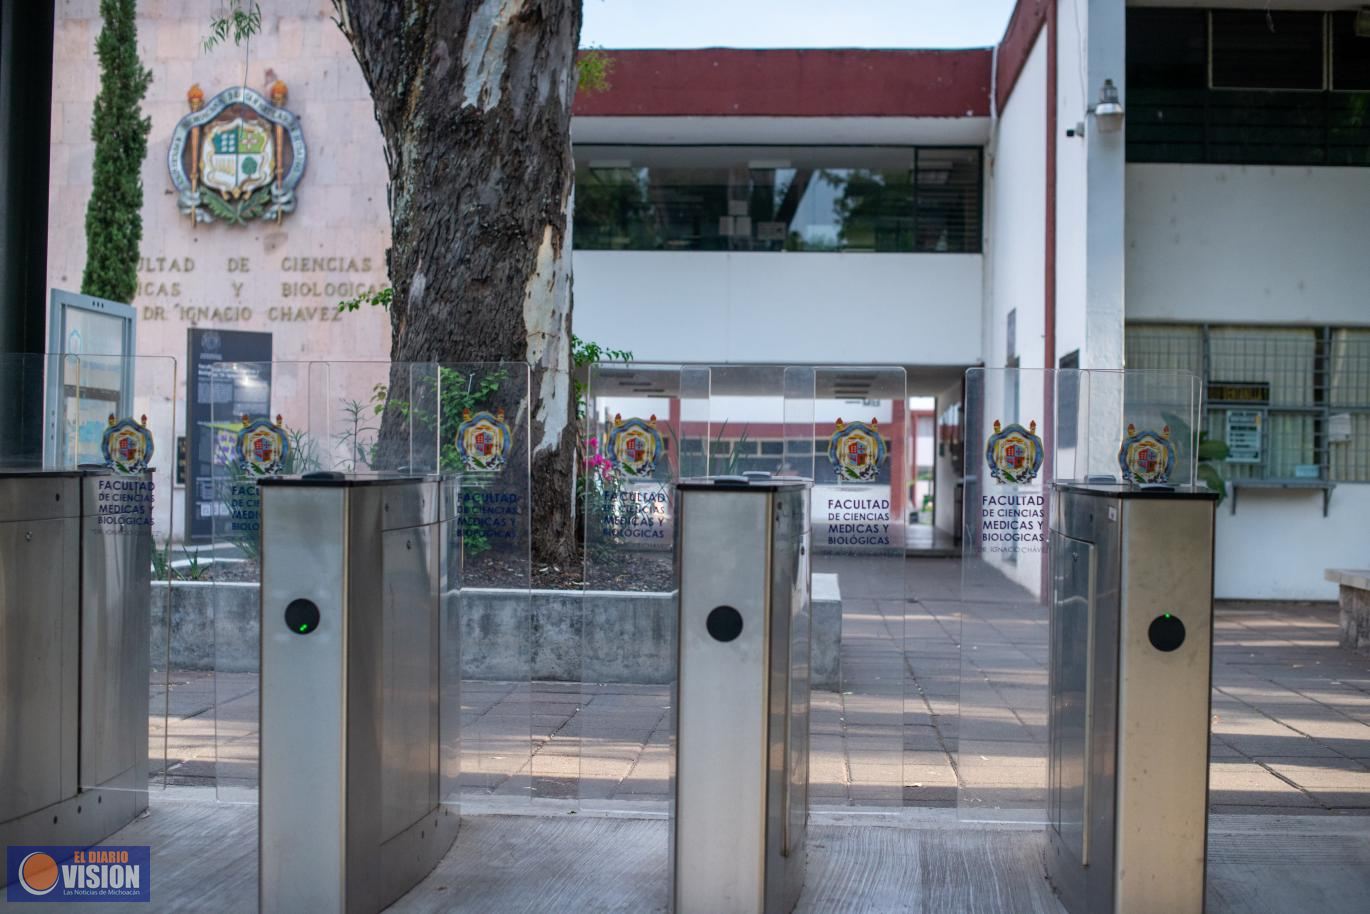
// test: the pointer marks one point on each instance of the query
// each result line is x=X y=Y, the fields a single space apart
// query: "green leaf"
x=1213 y=450
x=1210 y=477
x=242 y=21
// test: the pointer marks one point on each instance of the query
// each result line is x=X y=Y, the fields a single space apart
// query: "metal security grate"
x=1312 y=389
x=1348 y=401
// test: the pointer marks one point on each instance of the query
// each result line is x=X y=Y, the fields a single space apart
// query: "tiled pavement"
x=1291 y=714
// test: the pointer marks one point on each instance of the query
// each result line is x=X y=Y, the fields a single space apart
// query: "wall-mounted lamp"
x=1108 y=113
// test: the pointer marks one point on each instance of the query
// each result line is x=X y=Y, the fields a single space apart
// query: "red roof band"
x=720 y=82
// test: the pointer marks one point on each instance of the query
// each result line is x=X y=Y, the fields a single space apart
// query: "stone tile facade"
x=248 y=273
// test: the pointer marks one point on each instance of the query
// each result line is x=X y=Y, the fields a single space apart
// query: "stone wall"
x=285 y=277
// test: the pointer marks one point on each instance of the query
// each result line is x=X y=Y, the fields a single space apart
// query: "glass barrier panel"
x=115 y=418
x=483 y=450
x=1011 y=456
x=860 y=456
x=1027 y=432
x=372 y=417
x=1143 y=427
x=644 y=427
x=253 y=420
x=28 y=381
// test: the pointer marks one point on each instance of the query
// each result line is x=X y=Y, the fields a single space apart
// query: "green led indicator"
x=302 y=617
x=1167 y=615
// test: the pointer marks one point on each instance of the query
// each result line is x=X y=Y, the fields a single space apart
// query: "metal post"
x=742 y=703
x=1129 y=680
x=74 y=644
x=358 y=719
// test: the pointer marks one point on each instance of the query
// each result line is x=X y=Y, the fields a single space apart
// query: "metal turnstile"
x=1130 y=679
x=742 y=702
x=359 y=741
x=75 y=573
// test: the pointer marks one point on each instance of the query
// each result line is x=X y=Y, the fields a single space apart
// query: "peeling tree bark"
x=473 y=98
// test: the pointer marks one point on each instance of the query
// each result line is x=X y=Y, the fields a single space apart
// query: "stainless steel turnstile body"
x=742 y=699
x=74 y=627
x=359 y=746
x=1130 y=678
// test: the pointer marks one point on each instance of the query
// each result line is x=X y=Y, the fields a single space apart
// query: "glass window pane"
x=1163 y=346
x=1350 y=53
x=1282 y=357
x=1267 y=49
x=777 y=198
x=1166 y=49
x=948 y=200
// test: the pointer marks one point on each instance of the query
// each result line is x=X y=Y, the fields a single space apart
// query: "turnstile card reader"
x=74 y=627
x=1130 y=679
x=742 y=699
x=360 y=705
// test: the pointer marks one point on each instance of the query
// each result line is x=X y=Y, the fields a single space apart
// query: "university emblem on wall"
x=483 y=440
x=237 y=157
x=262 y=446
x=126 y=445
x=856 y=450
x=1014 y=453
x=1146 y=456
x=634 y=445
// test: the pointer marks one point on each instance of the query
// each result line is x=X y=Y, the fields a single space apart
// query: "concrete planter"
x=547 y=635
x=202 y=639
x=567 y=636
x=1353 y=588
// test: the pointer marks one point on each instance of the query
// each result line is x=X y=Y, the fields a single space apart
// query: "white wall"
x=1072 y=180
x=1104 y=50
x=1277 y=544
x=1015 y=202
x=1015 y=205
x=1089 y=186
x=781 y=307
x=1267 y=245
x=1248 y=244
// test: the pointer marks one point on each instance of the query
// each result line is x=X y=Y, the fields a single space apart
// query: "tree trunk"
x=473 y=98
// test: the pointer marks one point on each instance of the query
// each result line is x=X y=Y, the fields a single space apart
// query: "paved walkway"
x=1291 y=714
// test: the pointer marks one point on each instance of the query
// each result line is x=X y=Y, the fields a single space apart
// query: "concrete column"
x=1106 y=56
x=26 y=41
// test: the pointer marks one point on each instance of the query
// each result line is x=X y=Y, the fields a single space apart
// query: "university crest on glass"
x=634 y=446
x=262 y=446
x=483 y=440
x=1014 y=453
x=1145 y=456
x=856 y=450
x=126 y=445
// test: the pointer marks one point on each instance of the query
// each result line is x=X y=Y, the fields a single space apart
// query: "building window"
x=1267 y=49
x=1307 y=389
x=1258 y=87
x=1167 y=48
x=874 y=199
x=1350 y=54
